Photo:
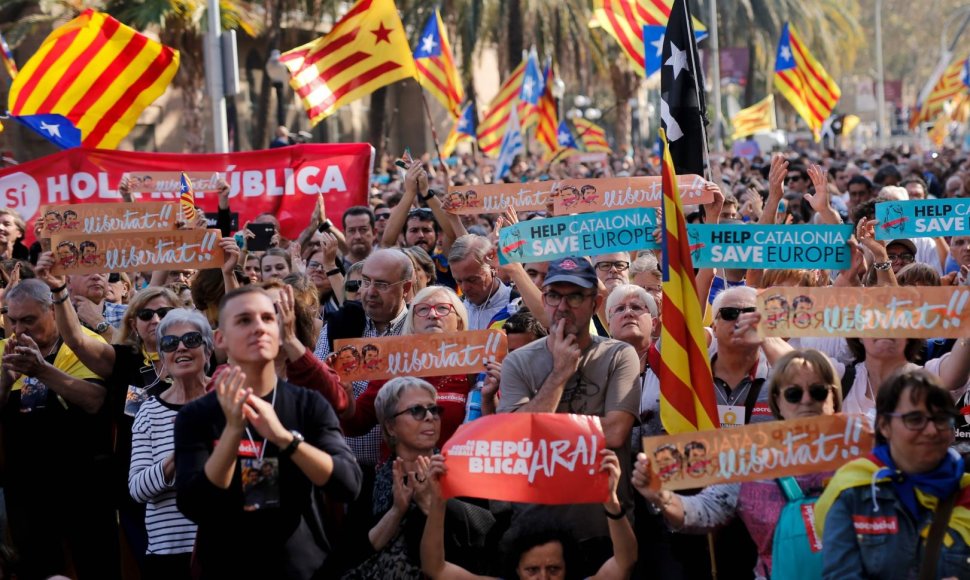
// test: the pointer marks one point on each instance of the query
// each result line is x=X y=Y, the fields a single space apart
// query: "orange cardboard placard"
x=106 y=218
x=137 y=252
x=757 y=452
x=152 y=181
x=418 y=355
x=545 y=458
x=496 y=198
x=874 y=312
x=615 y=193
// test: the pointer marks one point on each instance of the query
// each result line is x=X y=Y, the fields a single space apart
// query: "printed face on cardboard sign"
x=67 y=254
x=71 y=221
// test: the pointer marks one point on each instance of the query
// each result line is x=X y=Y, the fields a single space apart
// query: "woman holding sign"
x=436 y=309
x=903 y=511
x=803 y=384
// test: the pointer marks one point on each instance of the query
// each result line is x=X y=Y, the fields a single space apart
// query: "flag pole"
x=695 y=66
x=434 y=135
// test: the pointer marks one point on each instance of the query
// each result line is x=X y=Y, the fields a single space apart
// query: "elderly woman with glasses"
x=901 y=512
x=185 y=343
x=410 y=419
x=803 y=384
x=435 y=310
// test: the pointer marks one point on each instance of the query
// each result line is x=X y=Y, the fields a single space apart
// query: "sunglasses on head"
x=794 y=393
x=419 y=412
x=146 y=314
x=352 y=285
x=731 y=313
x=114 y=278
x=170 y=342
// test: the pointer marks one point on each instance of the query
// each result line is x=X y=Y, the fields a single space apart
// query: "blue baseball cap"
x=572 y=270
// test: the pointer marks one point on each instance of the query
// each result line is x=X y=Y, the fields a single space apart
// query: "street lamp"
x=593 y=113
x=278 y=75
x=582 y=101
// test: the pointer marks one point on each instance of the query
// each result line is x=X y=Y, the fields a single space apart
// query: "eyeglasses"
x=793 y=178
x=380 y=286
x=424 y=310
x=114 y=278
x=382 y=216
x=620 y=266
x=905 y=258
x=795 y=393
x=636 y=309
x=313 y=265
x=352 y=286
x=419 y=412
x=573 y=300
x=916 y=421
x=146 y=314
x=731 y=313
x=170 y=342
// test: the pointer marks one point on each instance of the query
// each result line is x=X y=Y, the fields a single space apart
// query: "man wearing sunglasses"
x=612 y=270
x=573 y=371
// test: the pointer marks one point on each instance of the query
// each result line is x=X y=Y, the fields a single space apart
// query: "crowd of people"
x=194 y=424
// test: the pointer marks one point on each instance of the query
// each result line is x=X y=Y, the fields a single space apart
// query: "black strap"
x=934 y=541
x=752 y=398
x=848 y=377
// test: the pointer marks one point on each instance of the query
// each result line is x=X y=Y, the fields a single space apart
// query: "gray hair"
x=451 y=298
x=645 y=262
x=893 y=193
x=624 y=291
x=190 y=317
x=355 y=268
x=32 y=289
x=723 y=296
x=470 y=245
x=385 y=404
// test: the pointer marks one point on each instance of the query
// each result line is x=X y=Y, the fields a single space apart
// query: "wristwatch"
x=289 y=449
x=325 y=226
x=427 y=197
x=882 y=265
x=101 y=327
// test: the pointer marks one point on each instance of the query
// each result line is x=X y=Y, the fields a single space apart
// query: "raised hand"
x=231 y=250
x=777 y=175
x=565 y=352
x=25 y=358
x=611 y=465
x=263 y=418
x=403 y=492
x=230 y=387
x=820 y=199
x=45 y=263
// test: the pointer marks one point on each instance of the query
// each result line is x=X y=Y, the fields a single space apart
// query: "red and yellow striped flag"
x=187 y=200
x=949 y=85
x=687 y=401
x=435 y=64
x=98 y=73
x=757 y=118
x=492 y=127
x=548 y=117
x=804 y=82
x=591 y=136
x=366 y=50
x=624 y=21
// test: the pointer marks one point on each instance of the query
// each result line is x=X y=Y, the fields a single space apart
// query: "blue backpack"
x=796 y=550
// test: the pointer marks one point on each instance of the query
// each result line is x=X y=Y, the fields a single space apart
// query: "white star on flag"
x=463 y=124
x=527 y=87
x=564 y=137
x=428 y=44
x=52 y=130
x=677 y=60
x=659 y=45
x=785 y=53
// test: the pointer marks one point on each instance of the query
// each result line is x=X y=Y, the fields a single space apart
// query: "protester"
x=233 y=485
x=612 y=270
x=900 y=512
x=358 y=222
x=186 y=344
x=633 y=319
x=485 y=295
x=803 y=384
x=275 y=263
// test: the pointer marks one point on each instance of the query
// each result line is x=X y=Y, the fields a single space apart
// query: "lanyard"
x=262 y=449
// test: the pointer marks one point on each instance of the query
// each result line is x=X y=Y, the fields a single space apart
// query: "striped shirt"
x=152 y=441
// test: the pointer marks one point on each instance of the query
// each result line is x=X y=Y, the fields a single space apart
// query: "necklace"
x=262 y=448
x=869 y=392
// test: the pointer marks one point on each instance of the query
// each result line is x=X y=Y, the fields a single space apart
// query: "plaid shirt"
x=367 y=448
x=113 y=313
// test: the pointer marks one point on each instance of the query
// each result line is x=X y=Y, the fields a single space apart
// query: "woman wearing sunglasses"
x=185 y=344
x=901 y=512
x=803 y=384
x=131 y=369
x=436 y=309
x=410 y=420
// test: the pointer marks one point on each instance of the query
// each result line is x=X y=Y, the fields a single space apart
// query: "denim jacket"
x=863 y=542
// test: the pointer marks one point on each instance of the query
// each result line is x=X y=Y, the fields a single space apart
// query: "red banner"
x=283 y=181
x=546 y=458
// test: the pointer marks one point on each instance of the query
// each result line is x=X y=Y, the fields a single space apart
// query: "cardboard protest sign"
x=545 y=458
x=152 y=181
x=581 y=235
x=875 y=312
x=929 y=218
x=137 y=252
x=106 y=218
x=758 y=451
x=418 y=355
x=594 y=195
x=770 y=246
x=496 y=198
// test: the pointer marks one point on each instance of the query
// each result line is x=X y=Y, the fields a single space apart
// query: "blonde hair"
x=127 y=334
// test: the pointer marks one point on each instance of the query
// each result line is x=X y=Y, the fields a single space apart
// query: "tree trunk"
x=193 y=114
x=625 y=83
x=376 y=119
x=515 y=32
x=261 y=130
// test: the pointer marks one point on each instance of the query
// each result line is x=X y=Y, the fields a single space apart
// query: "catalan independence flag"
x=435 y=64
x=464 y=130
x=757 y=118
x=624 y=21
x=7 y=57
x=804 y=82
x=492 y=128
x=592 y=136
x=687 y=401
x=548 y=116
x=364 y=51
x=96 y=72
x=187 y=199
x=949 y=85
